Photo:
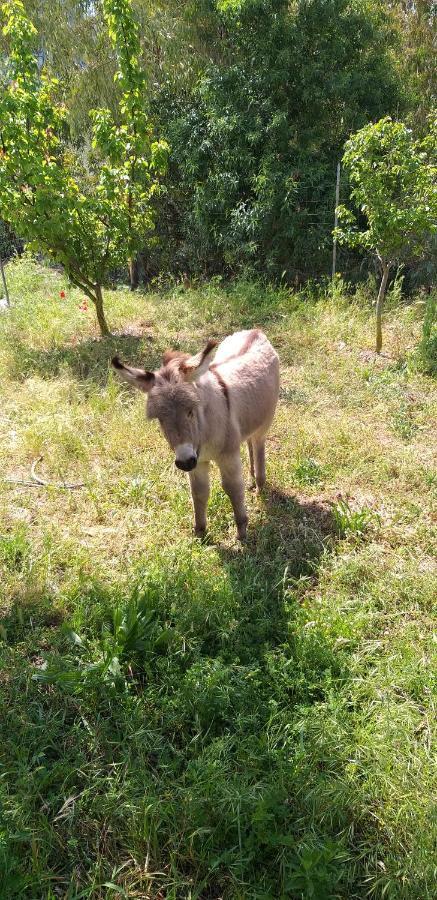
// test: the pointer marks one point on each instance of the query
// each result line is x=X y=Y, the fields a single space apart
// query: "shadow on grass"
x=313 y=515
x=283 y=552
x=291 y=534
x=248 y=306
x=226 y=750
x=88 y=360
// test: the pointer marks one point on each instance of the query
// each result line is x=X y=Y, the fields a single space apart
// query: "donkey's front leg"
x=231 y=472
x=199 y=478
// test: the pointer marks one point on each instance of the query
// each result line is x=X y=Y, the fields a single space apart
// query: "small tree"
x=393 y=184
x=89 y=217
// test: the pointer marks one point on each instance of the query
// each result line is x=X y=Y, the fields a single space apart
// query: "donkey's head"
x=173 y=398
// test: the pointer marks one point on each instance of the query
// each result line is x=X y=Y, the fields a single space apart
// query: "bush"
x=9 y=242
x=256 y=138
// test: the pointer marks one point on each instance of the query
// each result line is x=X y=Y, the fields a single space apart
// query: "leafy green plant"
x=90 y=216
x=393 y=180
x=403 y=422
x=307 y=470
x=129 y=641
x=353 y=522
x=317 y=870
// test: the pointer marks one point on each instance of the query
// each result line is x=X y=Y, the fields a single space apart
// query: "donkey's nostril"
x=186 y=464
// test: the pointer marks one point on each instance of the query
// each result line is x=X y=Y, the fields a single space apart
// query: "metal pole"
x=337 y=200
x=8 y=302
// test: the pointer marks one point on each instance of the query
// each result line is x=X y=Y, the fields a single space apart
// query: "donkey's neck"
x=216 y=414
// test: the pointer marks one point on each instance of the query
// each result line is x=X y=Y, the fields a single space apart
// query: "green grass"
x=200 y=721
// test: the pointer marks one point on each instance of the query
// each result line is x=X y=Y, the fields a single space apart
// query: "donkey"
x=207 y=409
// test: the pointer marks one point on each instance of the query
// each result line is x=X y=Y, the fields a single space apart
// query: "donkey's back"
x=249 y=366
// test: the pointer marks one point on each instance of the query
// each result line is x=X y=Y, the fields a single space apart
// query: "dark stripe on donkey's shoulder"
x=223 y=386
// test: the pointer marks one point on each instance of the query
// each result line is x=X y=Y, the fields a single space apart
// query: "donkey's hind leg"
x=251 y=461
x=259 y=454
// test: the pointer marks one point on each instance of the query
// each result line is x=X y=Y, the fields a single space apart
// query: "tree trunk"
x=133 y=273
x=94 y=293
x=98 y=303
x=379 y=303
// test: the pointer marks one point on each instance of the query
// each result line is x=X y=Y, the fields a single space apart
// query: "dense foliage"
x=258 y=138
x=256 y=99
x=416 y=22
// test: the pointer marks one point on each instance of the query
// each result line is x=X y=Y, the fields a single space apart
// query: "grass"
x=200 y=721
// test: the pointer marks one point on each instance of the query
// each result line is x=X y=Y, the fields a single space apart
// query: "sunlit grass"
x=187 y=720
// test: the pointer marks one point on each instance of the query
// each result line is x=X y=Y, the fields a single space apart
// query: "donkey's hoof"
x=200 y=533
x=242 y=531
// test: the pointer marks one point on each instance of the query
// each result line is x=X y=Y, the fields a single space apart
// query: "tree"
x=394 y=186
x=90 y=214
x=72 y=45
x=258 y=134
x=416 y=21
x=256 y=98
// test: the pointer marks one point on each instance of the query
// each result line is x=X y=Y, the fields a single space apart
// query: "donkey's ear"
x=138 y=377
x=195 y=366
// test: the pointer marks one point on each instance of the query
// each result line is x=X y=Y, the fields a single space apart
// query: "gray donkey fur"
x=207 y=408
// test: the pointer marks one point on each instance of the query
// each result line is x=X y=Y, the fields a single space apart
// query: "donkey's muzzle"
x=186 y=464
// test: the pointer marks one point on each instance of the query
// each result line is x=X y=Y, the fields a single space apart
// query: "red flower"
x=62 y=295
x=84 y=306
